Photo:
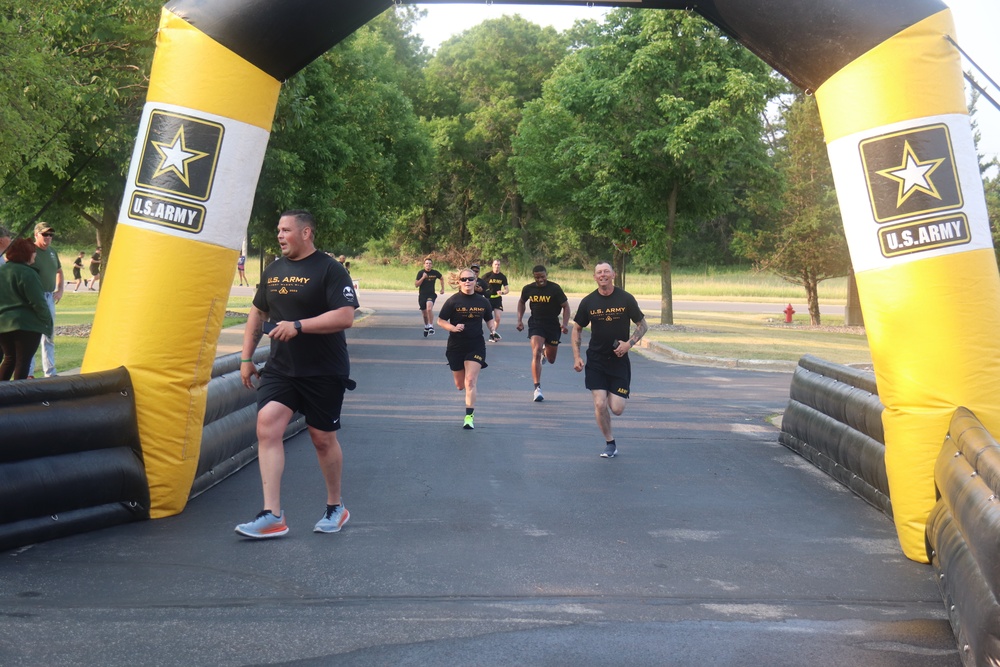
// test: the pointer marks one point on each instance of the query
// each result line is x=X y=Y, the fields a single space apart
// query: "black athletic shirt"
x=299 y=289
x=494 y=283
x=427 y=287
x=546 y=302
x=471 y=310
x=608 y=317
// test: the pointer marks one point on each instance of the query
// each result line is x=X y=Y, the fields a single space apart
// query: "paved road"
x=705 y=543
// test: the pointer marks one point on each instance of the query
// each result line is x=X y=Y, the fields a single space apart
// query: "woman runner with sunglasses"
x=462 y=316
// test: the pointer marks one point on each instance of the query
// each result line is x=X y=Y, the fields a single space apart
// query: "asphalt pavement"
x=704 y=543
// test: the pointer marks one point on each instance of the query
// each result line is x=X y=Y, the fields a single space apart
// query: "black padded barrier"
x=70 y=459
x=834 y=420
x=229 y=436
x=963 y=537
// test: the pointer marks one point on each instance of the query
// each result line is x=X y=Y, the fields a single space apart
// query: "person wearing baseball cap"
x=51 y=274
x=481 y=286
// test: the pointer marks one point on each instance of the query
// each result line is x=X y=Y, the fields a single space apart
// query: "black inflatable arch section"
x=807 y=42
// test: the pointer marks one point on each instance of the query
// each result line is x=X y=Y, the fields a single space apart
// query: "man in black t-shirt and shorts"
x=546 y=299
x=496 y=287
x=609 y=374
x=304 y=303
x=426 y=279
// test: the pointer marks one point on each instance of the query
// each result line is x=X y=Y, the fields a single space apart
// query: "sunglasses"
x=467 y=279
x=48 y=234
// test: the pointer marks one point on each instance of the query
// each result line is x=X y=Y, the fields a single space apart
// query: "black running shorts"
x=609 y=373
x=457 y=355
x=550 y=332
x=319 y=398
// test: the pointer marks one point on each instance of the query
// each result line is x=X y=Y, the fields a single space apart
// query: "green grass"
x=755 y=336
x=727 y=335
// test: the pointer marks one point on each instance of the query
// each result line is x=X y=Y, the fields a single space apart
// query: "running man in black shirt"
x=546 y=299
x=307 y=300
x=607 y=310
x=426 y=278
x=463 y=315
x=496 y=287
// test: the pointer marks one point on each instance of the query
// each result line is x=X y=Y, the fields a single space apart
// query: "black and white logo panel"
x=179 y=155
x=911 y=173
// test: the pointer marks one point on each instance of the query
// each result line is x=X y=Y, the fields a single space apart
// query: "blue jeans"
x=48 y=346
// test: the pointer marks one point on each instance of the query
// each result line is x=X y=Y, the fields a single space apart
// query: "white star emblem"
x=176 y=157
x=913 y=175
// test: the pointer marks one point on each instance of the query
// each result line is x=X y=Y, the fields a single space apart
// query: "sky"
x=977 y=23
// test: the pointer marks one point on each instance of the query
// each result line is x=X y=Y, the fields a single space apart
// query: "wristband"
x=246 y=361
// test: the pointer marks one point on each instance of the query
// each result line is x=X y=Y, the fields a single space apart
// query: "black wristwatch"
x=297 y=325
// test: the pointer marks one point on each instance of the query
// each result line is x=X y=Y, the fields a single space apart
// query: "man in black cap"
x=481 y=286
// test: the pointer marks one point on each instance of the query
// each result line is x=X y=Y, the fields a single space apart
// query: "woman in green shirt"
x=24 y=313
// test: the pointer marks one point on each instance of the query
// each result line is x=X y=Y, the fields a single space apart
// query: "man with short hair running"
x=546 y=299
x=607 y=310
x=427 y=293
x=496 y=287
x=307 y=301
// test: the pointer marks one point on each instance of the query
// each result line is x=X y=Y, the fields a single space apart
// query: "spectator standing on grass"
x=547 y=300
x=241 y=268
x=24 y=311
x=51 y=274
x=427 y=293
x=462 y=316
x=307 y=300
x=496 y=288
x=607 y=310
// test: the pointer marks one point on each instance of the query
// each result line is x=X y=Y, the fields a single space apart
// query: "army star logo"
x=176 y=157
x=179 y=155
x=913 y=175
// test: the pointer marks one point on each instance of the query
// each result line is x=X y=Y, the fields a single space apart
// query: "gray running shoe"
x=610 y=452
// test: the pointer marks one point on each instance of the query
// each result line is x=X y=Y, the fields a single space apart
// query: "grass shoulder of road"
x=742 y=336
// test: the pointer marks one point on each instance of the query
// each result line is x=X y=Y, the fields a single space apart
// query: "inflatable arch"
x=890 y=92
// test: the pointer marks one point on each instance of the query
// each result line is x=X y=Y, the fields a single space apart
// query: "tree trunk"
x=853 y=317
x=666 y=287
x=666 y=294
x=618 y=265
x=106 y=229
x=812 y=298
x=517 y=217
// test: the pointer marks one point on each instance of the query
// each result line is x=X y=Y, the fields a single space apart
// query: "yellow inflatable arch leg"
x=911 y=195
x=187 y=202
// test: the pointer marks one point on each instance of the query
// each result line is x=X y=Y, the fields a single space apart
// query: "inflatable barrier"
x=70 y=459
x=963 y=537
x=834 y=420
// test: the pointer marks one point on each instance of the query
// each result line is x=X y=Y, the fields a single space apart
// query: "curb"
x=653 y=350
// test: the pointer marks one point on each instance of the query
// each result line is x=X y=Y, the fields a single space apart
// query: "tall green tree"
x=477 y=85
x=652 y=124
x=107 y=47
x=36 y=87
x=805 y=244
x=346 y=143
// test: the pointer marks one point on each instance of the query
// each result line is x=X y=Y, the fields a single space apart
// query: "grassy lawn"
x=728 y=335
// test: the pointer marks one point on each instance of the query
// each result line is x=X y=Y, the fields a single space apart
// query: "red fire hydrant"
x=788 y=314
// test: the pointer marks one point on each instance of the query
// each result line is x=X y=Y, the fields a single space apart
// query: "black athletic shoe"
x=426 y=331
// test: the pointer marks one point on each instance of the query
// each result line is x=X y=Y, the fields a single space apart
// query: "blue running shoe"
x=333 y=520
x=264 y=526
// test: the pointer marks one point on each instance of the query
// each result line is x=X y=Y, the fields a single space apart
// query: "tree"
x=653 y=123
x=477 y=86
x=345 y=143
x=107 y=47
x=35 y=94
x=806 y=243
